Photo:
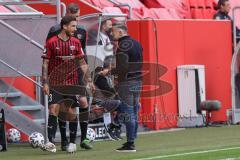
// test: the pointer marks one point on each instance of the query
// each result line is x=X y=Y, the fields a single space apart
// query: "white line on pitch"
x=189 y=153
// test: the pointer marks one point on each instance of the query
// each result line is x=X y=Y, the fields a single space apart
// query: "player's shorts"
x=57 y=98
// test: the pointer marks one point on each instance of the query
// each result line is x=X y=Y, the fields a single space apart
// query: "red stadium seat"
x=136 y=13
x=208 y=13
x=209 y=3
x=193 y=3
x=102 y=3
x=197 y=13
x=112 y=10
x=148 y=13
x=174 y=14
x=201 y=4
x=180 y=6
x=132 y=3
x=152 y=4
x=3 y=9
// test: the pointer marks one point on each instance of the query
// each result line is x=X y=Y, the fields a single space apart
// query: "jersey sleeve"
x=47 y=53
x=80 y=53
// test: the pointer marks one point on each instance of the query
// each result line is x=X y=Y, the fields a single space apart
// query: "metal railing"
x=123 y=5
x=58 y=16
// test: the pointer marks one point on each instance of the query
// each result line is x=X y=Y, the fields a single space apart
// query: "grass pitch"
x=212 y=143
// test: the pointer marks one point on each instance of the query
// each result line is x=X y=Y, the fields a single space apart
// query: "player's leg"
x=53 y=102
x=83 y=120
x=62 y=122
x=73 y=124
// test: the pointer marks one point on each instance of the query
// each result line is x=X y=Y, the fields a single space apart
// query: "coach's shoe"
x=72 y=147
x=85 y=144
x=64 y=145
x=127 y=147
x=50 y=147
x=118 y=132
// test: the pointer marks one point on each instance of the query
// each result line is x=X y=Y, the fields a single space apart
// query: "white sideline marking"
x=189 y=153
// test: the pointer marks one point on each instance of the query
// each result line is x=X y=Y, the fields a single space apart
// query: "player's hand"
x=45 y=89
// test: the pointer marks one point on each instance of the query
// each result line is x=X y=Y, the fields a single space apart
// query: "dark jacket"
x=129 y=59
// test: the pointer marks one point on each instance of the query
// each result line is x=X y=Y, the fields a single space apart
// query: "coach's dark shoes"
x=85 y=144
x=127 y=147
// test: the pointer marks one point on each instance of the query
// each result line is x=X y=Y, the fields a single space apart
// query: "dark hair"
x=104 y=22
x=121 y=25
x=66 y=20
x=221 y=3
x=107 y=61
x=73 y=8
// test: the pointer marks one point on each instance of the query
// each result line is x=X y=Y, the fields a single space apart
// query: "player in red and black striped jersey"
x=61 y=59
x=81 y=34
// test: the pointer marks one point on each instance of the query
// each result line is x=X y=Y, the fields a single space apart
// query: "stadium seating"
x=3 y=9
x=101 y=4
x=132 y=3
x=161 y=9
x=180 y=6
x=112 y=10
x=136 y=12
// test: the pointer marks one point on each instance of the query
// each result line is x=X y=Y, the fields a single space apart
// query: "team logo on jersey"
x=79 y=36
x=72 y=48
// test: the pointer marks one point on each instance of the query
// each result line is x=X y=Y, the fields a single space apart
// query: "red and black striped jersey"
x=62 y=66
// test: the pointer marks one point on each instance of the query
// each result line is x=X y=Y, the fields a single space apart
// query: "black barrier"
x=3 y=143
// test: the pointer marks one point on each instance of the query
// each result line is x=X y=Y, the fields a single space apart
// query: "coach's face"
x=116 y=33
x=70 y=28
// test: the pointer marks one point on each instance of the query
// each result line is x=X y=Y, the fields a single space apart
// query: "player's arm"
x=45 y=76
x=46 y=56
x=84 y=68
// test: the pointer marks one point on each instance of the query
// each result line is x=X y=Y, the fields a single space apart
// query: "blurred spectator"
x=224 y=8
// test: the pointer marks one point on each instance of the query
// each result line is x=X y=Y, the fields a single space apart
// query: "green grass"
x=150 y=145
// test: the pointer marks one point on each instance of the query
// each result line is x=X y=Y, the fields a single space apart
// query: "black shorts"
x=57 y=98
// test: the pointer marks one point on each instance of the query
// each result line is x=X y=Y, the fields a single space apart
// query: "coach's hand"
x=45 y=89
x=91 y=86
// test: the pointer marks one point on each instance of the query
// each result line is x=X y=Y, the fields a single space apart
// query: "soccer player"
x=81 y=34
x=62 y=57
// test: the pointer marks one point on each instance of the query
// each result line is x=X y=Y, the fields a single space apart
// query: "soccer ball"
x=91 y=134
x=36 y=139
x=13 y=135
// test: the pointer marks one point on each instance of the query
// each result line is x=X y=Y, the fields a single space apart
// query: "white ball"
x=13 y=135
x=36 y=139
x=91 y=134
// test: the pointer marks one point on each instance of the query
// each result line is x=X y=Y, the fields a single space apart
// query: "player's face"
x=226 y=7
x=71 y=28
x=108 y=26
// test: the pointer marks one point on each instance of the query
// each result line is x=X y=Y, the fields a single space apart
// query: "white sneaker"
x=72 y=147
x=50 y=147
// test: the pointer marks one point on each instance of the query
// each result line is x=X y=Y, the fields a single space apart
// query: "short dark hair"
x=66 y=20
x=121 y=25
x=221 y=3
x=105 y=21
x=73 y=8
